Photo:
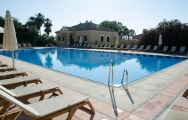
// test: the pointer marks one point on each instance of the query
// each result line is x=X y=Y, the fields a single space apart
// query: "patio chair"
x=101 y=45
x=106 y=46
x=88 y=45
x=24 y=45
x=165 y=49
x=19 y=81
x=19 y=46
x=3 y=69
x=11 y=74
x=78 y=45
x=29 y=45
x=134 y=47
x=155 y=48
x=97 y=45
x=25 y=93
x=173 y=49
x=85 y=45
x=147 y=48
x=127 y=47
x=182 y=50
x=74 y=44
x=52 y=107
x=116 y=46
x=122 y=46
x=140 y=48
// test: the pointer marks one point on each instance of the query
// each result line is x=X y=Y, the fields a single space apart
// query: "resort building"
x=87 y=32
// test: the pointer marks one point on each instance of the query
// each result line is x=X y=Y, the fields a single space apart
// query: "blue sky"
x=135 y=14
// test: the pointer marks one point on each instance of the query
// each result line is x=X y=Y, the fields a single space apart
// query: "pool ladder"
x=123 y=76
x=111 y=75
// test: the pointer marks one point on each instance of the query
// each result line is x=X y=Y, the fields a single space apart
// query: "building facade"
x=88 y=32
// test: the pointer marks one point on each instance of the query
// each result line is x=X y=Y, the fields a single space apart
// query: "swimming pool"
x=94 y=65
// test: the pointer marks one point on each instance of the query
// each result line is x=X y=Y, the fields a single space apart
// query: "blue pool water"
x=95 y=65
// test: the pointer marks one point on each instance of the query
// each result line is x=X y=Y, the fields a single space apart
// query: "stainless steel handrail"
x=122 y=82
x=111 y=75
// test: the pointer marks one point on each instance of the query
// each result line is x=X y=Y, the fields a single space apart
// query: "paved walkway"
x=145 y=99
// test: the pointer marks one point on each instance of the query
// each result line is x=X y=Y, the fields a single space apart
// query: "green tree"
x=47 y=25
x=117 y=26
x=174 y=33
x=36 y=21
x=2 y=21
x=39 y=21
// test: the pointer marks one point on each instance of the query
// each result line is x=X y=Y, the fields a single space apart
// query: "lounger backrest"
x=173 y=49
x=88 y=45
x=26 y=108
x=165 y=48
x=148 y=47
x=141 y=47
x=182 y=49
x=116 y=46
x=127 y=47
x=122 y=46
x=155 y=48
x=135 y=46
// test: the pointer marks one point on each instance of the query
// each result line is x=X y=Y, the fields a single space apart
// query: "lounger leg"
x=5 y=107
x=11 y=116
x=185 y=94
x=42 y=96
x=71 y=113
x=91 y=107
x=90 y=110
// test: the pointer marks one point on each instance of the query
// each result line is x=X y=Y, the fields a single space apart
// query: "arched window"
x=102 y=38
x=85 y=38
x=108 y=38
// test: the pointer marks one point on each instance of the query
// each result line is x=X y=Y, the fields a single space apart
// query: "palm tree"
x=39 y=21
x=47 y=25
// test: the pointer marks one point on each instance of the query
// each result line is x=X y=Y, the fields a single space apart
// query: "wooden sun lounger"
x=173 y=49
x=52 y=107
x=140 y=48
x=116 y=46
x=11 y=74
x=3 y=65
x=25 y=93
x=134 y=47
x=182 y=50
x=148 y=48
x=122 y=46
x=127 y=47
x=165 y=49
x=155 y=48
x=19 y=81
x=3 y=69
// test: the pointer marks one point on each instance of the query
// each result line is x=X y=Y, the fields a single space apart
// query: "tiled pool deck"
x=157 y=96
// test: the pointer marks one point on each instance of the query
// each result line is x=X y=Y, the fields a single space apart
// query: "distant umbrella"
x=1 y=30
x=9 y=37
